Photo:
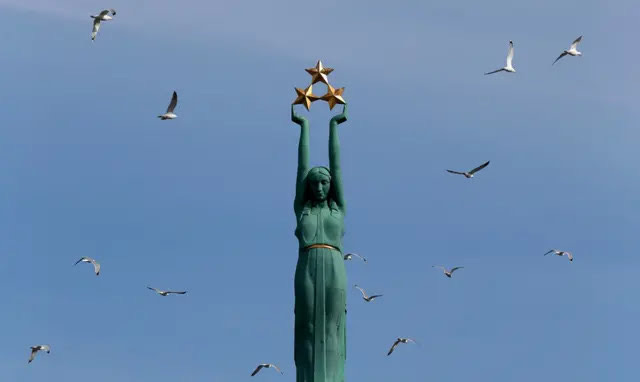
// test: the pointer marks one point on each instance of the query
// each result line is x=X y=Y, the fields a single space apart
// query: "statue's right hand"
x=295 y=117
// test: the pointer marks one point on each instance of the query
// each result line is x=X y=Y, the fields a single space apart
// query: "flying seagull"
x=398 y=341
x=96 y=265
x=165 y=292
x=447 y=272
x=560 y=253
x=470 y=173
x=37 y=348
x=349 y=256
x=364 y=294
x=509 y=68
x=172 y=105
x=267 y=365
x=572 y=51
x=103 y=16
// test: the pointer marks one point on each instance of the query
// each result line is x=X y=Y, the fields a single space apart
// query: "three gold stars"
x=319 y=74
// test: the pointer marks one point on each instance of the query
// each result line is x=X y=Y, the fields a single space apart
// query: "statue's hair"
x=331 y=197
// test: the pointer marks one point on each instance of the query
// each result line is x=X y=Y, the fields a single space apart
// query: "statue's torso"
x=320 y=225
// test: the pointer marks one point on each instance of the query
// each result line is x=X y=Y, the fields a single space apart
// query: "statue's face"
x=319 y=184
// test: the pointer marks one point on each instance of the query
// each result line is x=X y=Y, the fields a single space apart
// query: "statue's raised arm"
x=334 y=157
x=303 y=160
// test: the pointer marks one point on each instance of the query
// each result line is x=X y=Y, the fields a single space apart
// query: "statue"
x=320 y=281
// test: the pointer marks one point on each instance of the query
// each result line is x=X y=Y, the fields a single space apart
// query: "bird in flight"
x=469 y=174
x=96 y=265
x=400 y=341
x=446 y=271
x=509 y=67
x=172 y=105
x=349 y=256
x=364 y=294
x=572 y=51
x=165 y=292
x=37 y=348
x=560 y=253
x=266 y=365
x=102 y=16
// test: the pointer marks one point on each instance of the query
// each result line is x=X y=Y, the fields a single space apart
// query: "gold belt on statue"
x=327 y=246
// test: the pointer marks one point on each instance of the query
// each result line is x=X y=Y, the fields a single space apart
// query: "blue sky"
x=204 y=202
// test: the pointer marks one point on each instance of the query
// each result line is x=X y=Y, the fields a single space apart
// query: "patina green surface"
x=320 y=281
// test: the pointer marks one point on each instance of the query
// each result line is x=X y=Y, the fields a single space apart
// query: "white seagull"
x=399 y=341
x=446 y=271
x=364 y=294
x=572 y=51
x=560 y=253
x=102 y=16
x=37 y=348
x=267 y=365
x=349 y=256
x=469 y=174
x=172 y=105
x=509 y=68
x=96 y=265
x=165 y=292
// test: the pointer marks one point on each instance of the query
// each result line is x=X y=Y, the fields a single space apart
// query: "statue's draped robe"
x=320 y=280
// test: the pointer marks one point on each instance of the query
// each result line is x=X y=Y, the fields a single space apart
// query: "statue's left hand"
x=342 y=117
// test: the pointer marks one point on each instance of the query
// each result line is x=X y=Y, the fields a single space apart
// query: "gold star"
x=319 y=73
x=305 y=97
x=333 y=96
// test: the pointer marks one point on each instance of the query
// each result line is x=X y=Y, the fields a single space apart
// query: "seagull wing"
x=479 y=167
x=550 y=251
x=510 y=54
x=46 y=348
x=393 y=347
x=173 y=103
x=96 y=267
x=575 y=43
x=454 y=269
x=439 y=266
x=181 y=292
x=154 y=289
x=276 y=367
x=570 y=256
x=455 y=172
x=113 y=12
x=374 y=296
x=96 y=27
x=495 y=71
x=104 y=13
x=358 y=256
x=257 y=370
x=82 y=258
x=364 y=295
x=34 y=350
x=559 y=57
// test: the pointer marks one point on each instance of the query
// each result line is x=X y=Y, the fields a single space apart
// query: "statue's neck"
x=319 y=204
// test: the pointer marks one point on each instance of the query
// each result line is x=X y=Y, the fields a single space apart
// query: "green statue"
x=321 y=279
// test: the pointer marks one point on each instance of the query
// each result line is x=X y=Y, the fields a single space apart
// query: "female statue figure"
x=320 y=280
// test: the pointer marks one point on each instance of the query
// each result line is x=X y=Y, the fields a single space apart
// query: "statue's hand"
x=295 y=117
x=342 y=117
